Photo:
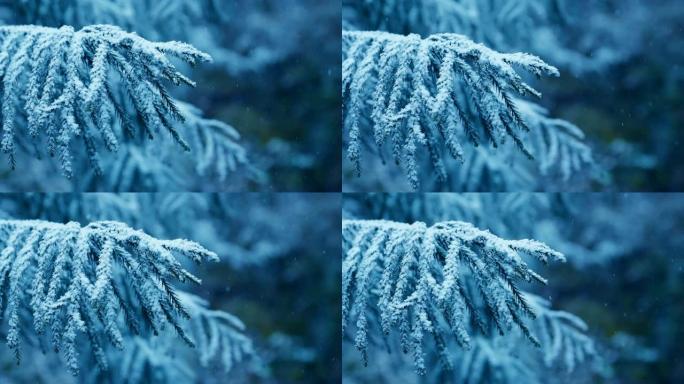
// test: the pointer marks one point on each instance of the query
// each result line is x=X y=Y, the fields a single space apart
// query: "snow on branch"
x=74 y=280
x=216 y=155
x=558 y=145
x=219 y=338
x=563 y=344
x=418 y=277
x=562 y=336
x=218 y=335
x=215 y=143
x=58 y=83
x=422 y=92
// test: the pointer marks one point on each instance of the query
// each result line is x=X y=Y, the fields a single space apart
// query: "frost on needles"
x=105 y=281
x=421 y=92
x=59 y=84
x=436 y=282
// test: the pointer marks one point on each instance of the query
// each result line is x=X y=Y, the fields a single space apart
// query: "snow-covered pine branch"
x=563 y=344
x=218 y=335
x=153 y=166
x=219 y=342
x=58 y=84
x=558 y=145
x=69 y=280
x=562 y=336
x=215 y=145
x=423 y=92
x=415 y=277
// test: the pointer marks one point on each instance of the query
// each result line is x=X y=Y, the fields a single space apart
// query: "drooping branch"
x=416 y=278
x=423 y=92
x=103 y=280
x=58 y=84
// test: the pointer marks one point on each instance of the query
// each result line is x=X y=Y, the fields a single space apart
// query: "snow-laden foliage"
x=494 y=361
x=617 y=245
x=509 y=215
x=494 y=358
x=411 y=90
x=618 y=225
x=538 y=26
x=421 y=78
x=57 y=85
x=106 y=281
x=158 y=359
x=562 y=336
x=255 y=28
x=219 y=343
x=416 y=277
x=217 y=150
x=242 y=232
x=245 y=40
x=563 y=345
x=557 y=146
x=264 y=243
x=217 y=334
x=143 y=165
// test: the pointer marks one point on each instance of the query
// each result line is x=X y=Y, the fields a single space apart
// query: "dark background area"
x=628 y=91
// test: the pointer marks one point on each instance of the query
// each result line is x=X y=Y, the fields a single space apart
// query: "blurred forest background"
x=624 y=274
x=274 y=78
x=279 y=273
x=622 y=82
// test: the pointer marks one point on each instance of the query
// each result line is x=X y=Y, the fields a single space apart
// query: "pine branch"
x=218 y=335
x=417 y=273
x=563 y=343
x=215 y=144
x=557 y=144
x=562 y=336
x=136 y=169
x=216 y=155
x=489 y=359
x=484 y=171
x=69 y=279
x=58 y=81
x=146 y=361
x=219 y=342
x=421 y=92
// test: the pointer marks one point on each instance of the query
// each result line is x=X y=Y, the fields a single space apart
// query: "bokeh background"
x=622 y=82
